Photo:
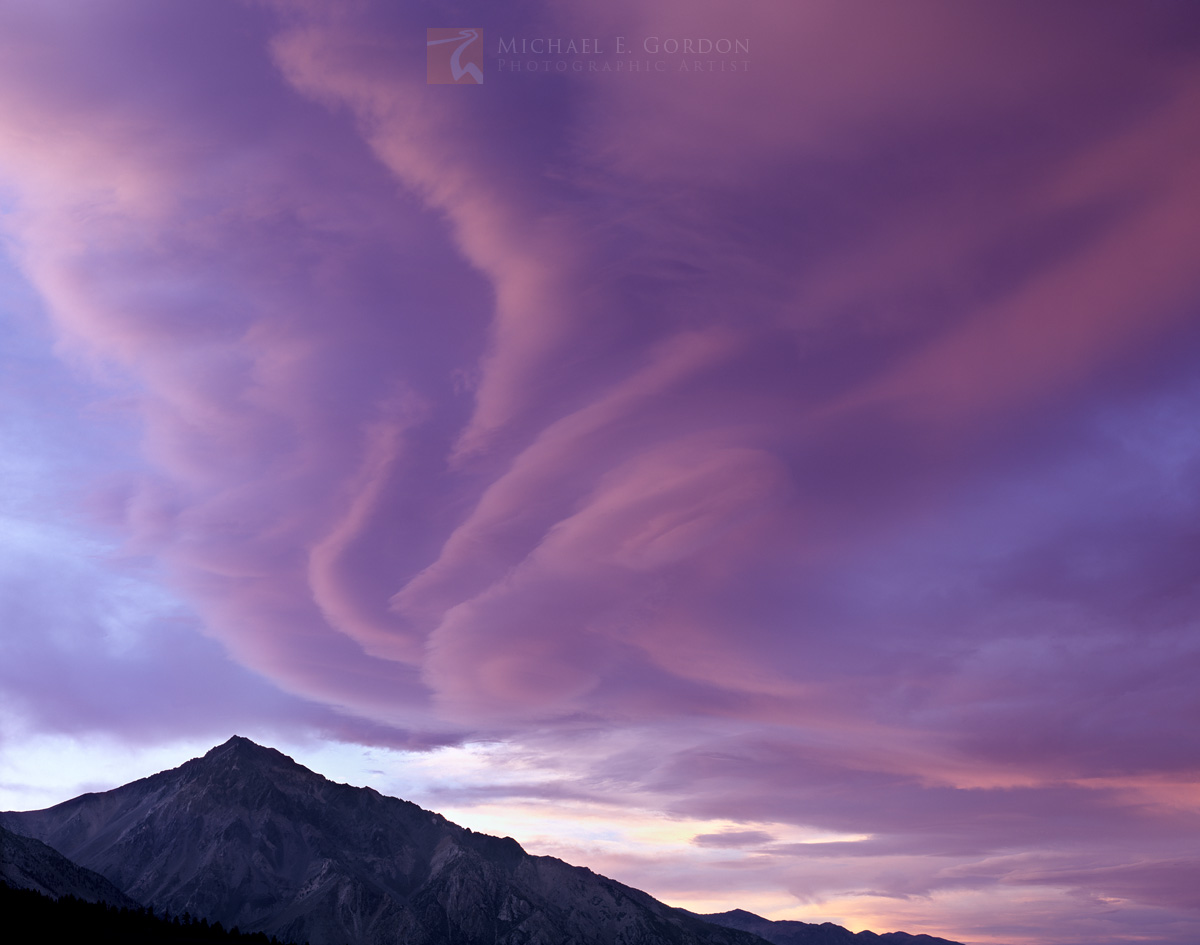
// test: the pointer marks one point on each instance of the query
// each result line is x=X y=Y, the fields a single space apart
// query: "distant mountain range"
x=788 y=932
x=247 y=837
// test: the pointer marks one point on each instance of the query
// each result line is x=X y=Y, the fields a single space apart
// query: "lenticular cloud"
x=811 y=442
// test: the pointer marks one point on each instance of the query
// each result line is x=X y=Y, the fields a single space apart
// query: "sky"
x=770 y=478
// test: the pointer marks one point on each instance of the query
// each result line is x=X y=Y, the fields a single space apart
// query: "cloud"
x=804 y=445
x=732 y=838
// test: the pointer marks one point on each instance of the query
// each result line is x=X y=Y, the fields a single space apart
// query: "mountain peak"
x=239 y=747
x=248 y=837
x=238 y=743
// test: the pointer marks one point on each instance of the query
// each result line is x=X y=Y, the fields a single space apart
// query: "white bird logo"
x=464 y=39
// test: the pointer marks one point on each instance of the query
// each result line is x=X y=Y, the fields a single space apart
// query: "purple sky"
x=782 y=481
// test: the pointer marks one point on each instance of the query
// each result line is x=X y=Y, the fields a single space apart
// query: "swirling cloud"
x=804 y=446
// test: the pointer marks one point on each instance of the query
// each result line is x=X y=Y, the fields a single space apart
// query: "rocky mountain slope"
x=787 y=932
x=26 y=863
x=248 y=837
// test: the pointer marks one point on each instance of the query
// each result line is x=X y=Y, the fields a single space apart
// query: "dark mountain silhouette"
x=26 y=863
x=788 y=932
x=248 y=837
x=30 y=917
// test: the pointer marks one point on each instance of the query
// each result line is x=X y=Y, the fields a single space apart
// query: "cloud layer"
x=804 y=446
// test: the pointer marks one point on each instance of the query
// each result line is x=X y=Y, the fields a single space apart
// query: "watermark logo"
x=454 y=56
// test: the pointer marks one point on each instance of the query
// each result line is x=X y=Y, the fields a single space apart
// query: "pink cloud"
x=819 y=434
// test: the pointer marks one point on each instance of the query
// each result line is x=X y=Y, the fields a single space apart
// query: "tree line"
x=30 y=916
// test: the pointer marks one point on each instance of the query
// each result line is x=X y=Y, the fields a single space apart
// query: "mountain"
x=788 y=932
x=248 y=837
x=26 y=863
x=30 y=916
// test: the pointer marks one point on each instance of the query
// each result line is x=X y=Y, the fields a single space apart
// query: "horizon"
x=748 y=451
x=233 y=739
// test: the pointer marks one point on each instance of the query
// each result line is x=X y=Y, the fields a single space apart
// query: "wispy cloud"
x=803 y=447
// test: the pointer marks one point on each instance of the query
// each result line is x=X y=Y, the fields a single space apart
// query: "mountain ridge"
x=792 y=932
x=28 y=863
x=247 y=836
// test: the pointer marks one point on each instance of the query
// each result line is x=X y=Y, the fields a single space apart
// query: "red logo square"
x=454 y=56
